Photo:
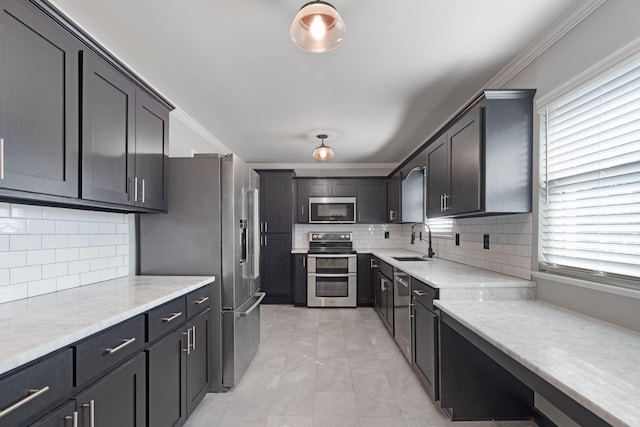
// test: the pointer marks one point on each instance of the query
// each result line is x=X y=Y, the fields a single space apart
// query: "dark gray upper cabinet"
x=394 y=191
x=302 y=201
x=371 y=201
x=481 y=163
x=152 y=152
x=108 y=133
x=276 y=201
x=338 y=187
x=125 y=139
x=38 y=102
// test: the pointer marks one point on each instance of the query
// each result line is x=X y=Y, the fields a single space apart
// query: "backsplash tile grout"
x=47 y=249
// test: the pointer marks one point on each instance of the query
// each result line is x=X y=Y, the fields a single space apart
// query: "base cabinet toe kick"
x=150 y=370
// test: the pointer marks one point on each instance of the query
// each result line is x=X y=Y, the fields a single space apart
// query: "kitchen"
x=52 y=247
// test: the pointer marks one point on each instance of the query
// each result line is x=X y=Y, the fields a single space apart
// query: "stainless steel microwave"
x=324 y=210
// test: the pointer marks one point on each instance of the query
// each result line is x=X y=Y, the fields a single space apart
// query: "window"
x=590 y=179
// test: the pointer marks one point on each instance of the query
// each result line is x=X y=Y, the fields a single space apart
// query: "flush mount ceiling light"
x=323 y=152
x=318 y=27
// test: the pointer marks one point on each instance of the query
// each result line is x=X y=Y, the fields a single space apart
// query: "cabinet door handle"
x=373 y=263
x=125 y=343
x=266 y=227
x=419 y=293
x=304 y=261
x=33 y=394
x=302 y=211
x=442 y=203
x=1 y=158
x=265 y=240
x=193 y=338
x=92 y=411
x=173 y=316
x=142 y=190
x=446 y=202
x=392 y=215
x=188 y=334
x=73 y=418
x=135 y=188
x=201 y=300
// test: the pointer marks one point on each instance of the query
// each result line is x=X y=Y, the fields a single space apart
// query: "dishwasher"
x=402 y=312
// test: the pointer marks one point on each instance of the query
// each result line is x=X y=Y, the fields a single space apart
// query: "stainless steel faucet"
x=430 y=253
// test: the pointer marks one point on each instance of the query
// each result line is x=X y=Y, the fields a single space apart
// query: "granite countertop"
x=33 y=327
x=593 y=362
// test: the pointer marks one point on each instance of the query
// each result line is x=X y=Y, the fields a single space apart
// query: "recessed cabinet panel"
x=152 y=151
x=465 y=145
x=38 y=102
x=108 y=139
x=437 y=177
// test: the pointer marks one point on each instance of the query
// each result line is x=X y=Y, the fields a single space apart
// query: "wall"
x=365 y=237
x=47 y=249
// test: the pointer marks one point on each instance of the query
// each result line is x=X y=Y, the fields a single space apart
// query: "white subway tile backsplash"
x=39 y=257
x=26 y=211
x=21 y=242
x=40 y=287
x=54 y=242
x=47 y=249
x=25 y=274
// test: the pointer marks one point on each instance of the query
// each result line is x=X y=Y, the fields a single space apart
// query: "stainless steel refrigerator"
x=212 y=228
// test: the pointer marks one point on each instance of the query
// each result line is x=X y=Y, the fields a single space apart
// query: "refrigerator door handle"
x=261 y=296
x=255 y=238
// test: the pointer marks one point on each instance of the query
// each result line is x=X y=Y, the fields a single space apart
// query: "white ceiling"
x=404 y=68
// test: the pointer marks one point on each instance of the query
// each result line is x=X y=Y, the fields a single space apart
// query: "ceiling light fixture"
x=318 y=27
x=323 y=152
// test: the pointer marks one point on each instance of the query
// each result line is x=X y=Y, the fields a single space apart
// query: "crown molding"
x=559 y=29
x=189 y=121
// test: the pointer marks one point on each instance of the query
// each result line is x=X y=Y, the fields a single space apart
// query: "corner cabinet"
x=39 y=103
x=481 y=163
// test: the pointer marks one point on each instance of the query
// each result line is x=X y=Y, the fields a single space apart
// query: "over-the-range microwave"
x=324 y=210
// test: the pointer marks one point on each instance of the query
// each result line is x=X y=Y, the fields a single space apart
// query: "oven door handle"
x=331 y=255
x=332 y=275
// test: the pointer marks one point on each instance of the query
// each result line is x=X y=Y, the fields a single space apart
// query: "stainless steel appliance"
x=212 y=228
x=331 y=270
x=402 y=312
x=324 y=210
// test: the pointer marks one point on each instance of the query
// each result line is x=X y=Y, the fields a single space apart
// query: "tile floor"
x=326 y=367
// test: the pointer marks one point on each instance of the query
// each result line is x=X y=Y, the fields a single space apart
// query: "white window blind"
x=590 y=179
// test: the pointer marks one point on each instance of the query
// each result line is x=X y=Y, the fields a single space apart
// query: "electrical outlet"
x=386 y=234
x=457 y=239
x=486 y=241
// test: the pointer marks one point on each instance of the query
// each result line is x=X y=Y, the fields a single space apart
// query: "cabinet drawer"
x=423 y=293
x=198 y=301
x=166 y=318
x=104 y=350
x=37 y=387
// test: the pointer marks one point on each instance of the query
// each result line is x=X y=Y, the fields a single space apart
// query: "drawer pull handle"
x=73 y=418
x=173 y=316
x=202 y=300
x=120 y=347
x=32 y=395
x=92 y=411
x=419 y=293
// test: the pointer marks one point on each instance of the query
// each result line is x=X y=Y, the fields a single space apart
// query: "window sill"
x=602 y=287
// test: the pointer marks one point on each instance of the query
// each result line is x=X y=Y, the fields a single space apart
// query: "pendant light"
x=322 y=152
x=318 y=27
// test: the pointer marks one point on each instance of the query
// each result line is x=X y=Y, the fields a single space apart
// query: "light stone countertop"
x=459 y=281
x=33 y=327
x=593 y=362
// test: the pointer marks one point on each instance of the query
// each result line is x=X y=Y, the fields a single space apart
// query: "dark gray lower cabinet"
x=198 y=373
x=61 y=417
x=365 y=286
x=300 y=279
x=119 y=399
x=275 y=268
x=166 y=380
x=425 y=338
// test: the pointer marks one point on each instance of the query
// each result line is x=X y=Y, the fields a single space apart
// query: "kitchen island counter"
x=36 y=326
x=592 y=362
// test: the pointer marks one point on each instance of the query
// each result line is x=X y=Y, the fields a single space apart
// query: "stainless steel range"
x=331 y=270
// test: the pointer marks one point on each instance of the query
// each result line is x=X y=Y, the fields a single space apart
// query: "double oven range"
x=331 y=270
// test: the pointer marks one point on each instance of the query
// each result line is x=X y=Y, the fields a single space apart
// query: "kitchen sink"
x=411 y=258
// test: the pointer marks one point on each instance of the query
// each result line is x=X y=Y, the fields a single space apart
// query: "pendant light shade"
x=318 y=27
x=323 y=152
